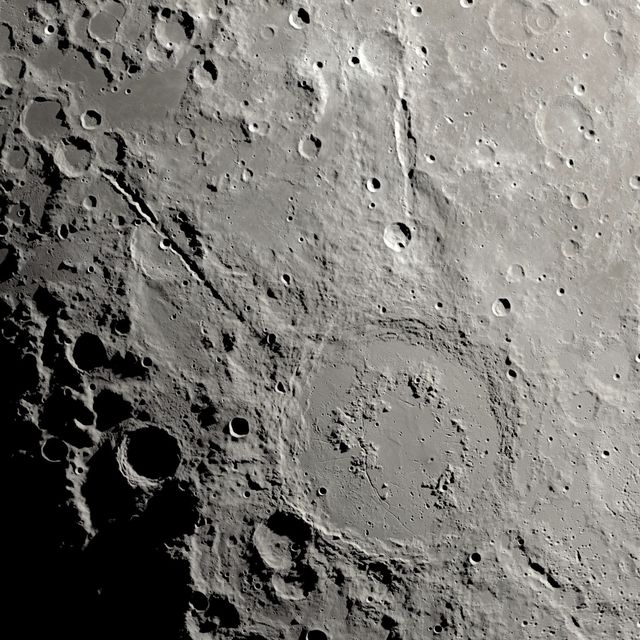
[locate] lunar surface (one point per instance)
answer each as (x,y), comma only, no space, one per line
(321,320)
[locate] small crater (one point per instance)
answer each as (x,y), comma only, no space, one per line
(90,119)
(43,118)
(111,408)
(373,185)
(515,273)
(9,262)
(501,307)
(54,450)
(613,37)
(561,125)
(12,71)
(89,202)
(579,89)
(211,69)
(579,200)
(185,136)
(199,600)
(153,453)
(299,18)
(540,18)
(309,147)
(206,74)
(89,352)
(238,427)
(397,236)
(73,156)
(570,248)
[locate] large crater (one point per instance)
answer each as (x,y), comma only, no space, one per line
(394,428)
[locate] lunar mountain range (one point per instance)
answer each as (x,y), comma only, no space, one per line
(320,320)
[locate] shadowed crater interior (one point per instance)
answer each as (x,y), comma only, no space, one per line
(153,453)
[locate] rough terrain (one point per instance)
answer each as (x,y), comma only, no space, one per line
(321,320)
